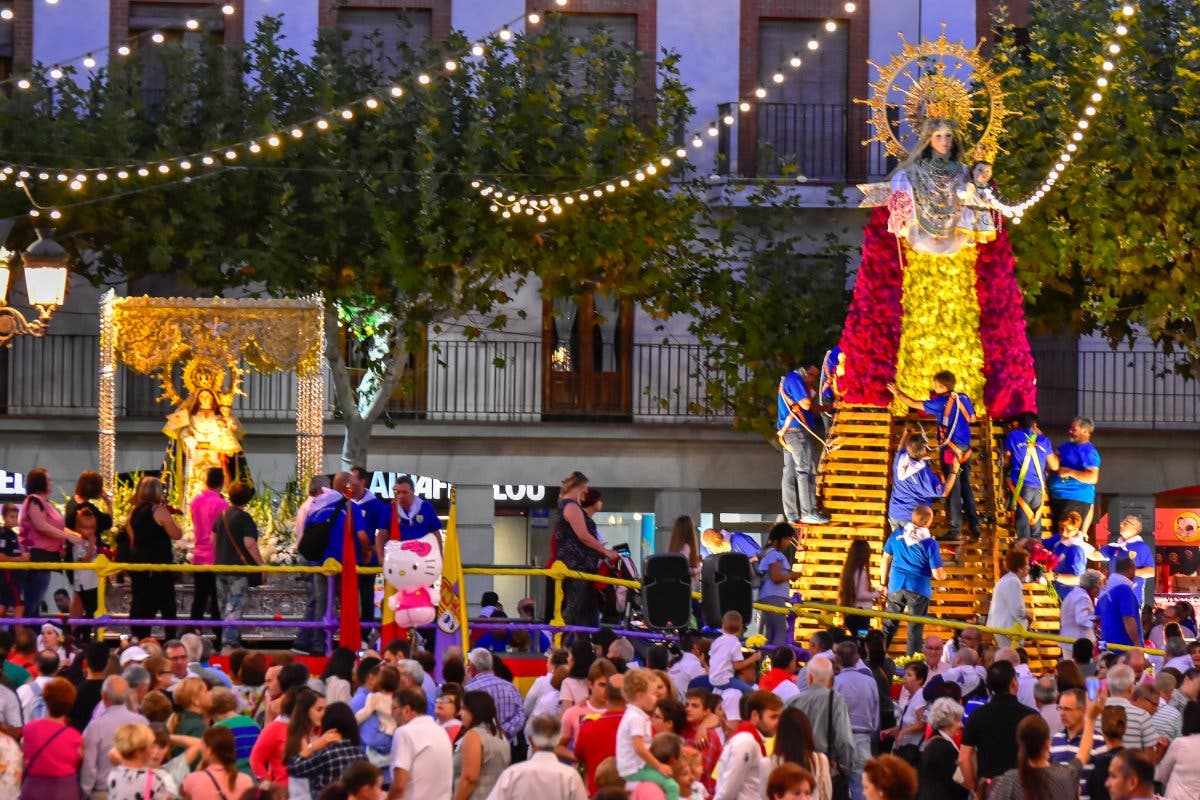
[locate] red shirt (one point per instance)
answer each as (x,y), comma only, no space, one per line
(710,754)
(596,741)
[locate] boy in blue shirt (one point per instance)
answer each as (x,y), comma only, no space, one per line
(1072,486)
(954,413)
(914,482)
(1029,455)
(911,560)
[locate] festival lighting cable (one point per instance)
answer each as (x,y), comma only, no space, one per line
(87,59)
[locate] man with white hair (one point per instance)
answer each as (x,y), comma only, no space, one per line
(1045,693)
(510,709)
(99,733)
(542,776)
(818,700)
(1176,649)
(413,674)
(1077,617)
(1139,732)
(622,648)
(857,686)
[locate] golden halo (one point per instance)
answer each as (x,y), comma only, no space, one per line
(974,102)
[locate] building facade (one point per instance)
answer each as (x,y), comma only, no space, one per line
(585,384)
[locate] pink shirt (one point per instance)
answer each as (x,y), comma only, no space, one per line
(206,507)
(61,757)
(36,513)
(574,716)
(212,783)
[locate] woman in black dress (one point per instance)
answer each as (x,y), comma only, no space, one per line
(151,530)
(578,548)
(939,759)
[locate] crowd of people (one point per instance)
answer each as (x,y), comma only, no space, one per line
(707,718)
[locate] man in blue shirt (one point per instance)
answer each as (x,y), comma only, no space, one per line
(911,558)
(1028,454)
(1118,609)
(833,368)
(1072,486)
(1130,544)
(914,483)
(375,518)
(954,413)
(796,428)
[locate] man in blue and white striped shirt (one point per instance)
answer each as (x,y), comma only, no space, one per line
(1071,706)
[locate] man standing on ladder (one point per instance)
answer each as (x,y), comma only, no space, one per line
(1029,455)
(796,429)
(954,413)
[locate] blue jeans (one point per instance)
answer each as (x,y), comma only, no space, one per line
(735,683)
(318,599)
(1032,495)
(906,602)
(961,500)
(799,475)
(775,626)
(34,583)
(232,591)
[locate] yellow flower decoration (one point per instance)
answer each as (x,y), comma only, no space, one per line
(940,325)
(756,641)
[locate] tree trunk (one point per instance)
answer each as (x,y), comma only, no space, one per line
(360,411)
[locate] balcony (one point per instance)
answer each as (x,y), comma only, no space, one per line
(818,143)
(466,381)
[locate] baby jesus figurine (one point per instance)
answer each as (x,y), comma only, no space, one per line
(978,219)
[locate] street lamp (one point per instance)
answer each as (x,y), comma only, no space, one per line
(45,263)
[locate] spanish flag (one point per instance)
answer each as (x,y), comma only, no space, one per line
(452,611)
(390,631)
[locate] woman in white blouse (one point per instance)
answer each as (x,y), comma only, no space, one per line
(1008,598)
(1180,767)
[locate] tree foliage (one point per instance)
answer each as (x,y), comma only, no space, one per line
(378,213)
(1113,248)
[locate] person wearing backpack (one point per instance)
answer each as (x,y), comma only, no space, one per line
(321,539)
(53,750)
(33,703)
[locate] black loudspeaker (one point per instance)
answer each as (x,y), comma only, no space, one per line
(667,591)
(726,587)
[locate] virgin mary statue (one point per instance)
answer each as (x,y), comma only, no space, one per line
(204,434)
(936,288)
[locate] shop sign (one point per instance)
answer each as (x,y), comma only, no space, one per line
(12,482)
(433,489)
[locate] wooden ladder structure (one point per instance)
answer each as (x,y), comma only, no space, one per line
(852,487)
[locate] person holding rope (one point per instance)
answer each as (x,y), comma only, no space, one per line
(796,429)
(955,413)
(1029,455)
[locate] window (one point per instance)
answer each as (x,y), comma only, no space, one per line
(622,27)
(632,22)
(808,125)
(169,19)
(385,33)
(802,125)
(587,344)
(6,48)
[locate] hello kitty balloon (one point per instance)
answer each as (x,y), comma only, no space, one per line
(414,569)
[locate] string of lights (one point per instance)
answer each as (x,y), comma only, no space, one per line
(87,59)
(1015,211)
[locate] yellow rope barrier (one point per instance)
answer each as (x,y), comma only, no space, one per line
(557,572)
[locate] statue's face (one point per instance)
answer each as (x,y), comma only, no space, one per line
(942,140)
(206,401)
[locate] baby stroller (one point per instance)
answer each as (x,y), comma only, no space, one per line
(618,603)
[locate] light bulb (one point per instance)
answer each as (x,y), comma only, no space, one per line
(43,176)
(569,199)
(185,165)
(505,34)
(33,212)
(76,186)
(192,24)
(560,2)
(1114,48)
(1122,30)
(712,129)
(493,208)
(477,50)
(371,103)
(255,148)
(81,177)
(24,83)
(228,9)
(557,209)
(123,50)
(777,77)
(850,8)
(1097,97)
(1127,10)
(541,217)
(1090,111)
(813,44)
(157,38)
(451,66)
(681,152)
(102,176)
(583,198)
(143,172)
(506,214)
(476,185)
(796,61)
(1065,157)
(1060,167)
(534,18)
(322,124)
(697,141)
(1077,136)
(55,214)
(122,175)
(610,188)
(89,61)
(273,140)
(597,193)
(164,169)
(760,93)
(347,114)
(207,161)
(62,178)
(639,176)
(1083,124)
(424,79)
(624,183)
(830,26)
(297,133)
(56,74)
(1107,66)
(743,106)
(666,162)
(1072,147)
(1102,81)
(6,14)
(397,91)
(727,119)
(651,169)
